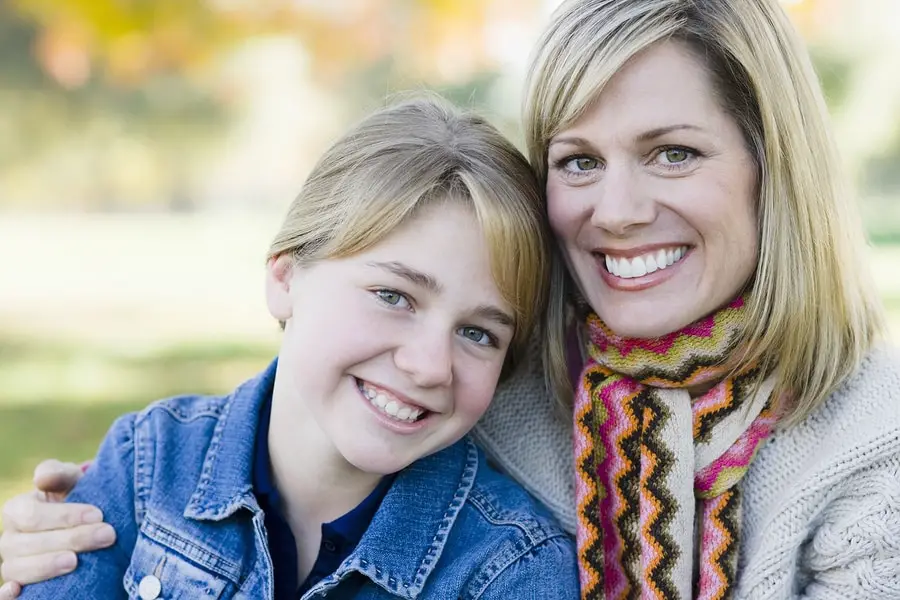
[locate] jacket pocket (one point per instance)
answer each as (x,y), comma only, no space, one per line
(157,569)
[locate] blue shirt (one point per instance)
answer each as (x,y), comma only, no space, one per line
(176,483)
(339,538)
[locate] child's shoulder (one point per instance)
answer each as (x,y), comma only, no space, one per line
(502,500)
(504,543)
(184,409)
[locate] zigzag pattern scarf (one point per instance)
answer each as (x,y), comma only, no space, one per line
(648,458)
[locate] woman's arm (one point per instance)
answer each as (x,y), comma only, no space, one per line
(41,534)
(109,485)
(855,552)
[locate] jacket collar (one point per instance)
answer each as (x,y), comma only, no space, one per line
(408,533)
(225,483)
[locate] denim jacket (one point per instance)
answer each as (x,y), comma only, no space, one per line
(175,482)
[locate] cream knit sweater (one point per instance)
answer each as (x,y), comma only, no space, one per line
(821,500)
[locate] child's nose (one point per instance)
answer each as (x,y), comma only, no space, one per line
(427,358)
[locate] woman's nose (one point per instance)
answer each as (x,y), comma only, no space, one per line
(621,203)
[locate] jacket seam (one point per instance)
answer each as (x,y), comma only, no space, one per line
(534,530)
(514,559)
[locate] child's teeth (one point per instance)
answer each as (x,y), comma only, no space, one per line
(389,406)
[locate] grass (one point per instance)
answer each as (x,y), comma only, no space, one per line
(58,400)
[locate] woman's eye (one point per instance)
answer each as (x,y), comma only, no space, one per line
(392,297)
(477,335)
(675,156)
(582,163)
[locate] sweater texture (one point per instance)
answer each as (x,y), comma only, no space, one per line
(821,501)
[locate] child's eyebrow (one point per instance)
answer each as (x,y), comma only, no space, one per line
(492,313)
(424,280)
(414,276)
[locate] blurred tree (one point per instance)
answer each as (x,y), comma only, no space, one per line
(135,88)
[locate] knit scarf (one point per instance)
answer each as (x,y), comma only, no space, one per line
(656,470)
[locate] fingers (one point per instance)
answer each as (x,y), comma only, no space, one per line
(56,478)
(31,569)
(10,590)
(83,538)
(29,513)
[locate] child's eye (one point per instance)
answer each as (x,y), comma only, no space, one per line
(478,335)
(392,298)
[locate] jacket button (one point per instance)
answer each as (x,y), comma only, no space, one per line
(149,588)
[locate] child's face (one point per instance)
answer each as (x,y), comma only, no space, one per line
(393,353)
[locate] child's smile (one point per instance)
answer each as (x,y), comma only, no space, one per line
(390,404)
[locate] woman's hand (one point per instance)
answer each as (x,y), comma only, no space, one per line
(41,534)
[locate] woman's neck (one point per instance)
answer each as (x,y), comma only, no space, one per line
(698,390)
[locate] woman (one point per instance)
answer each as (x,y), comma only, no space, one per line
(737,425)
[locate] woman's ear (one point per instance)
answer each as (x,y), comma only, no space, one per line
(279,273)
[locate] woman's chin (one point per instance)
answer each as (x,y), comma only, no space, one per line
(644,322)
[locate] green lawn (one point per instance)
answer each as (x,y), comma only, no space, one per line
(59,400)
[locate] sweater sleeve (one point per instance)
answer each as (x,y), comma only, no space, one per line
(855,552)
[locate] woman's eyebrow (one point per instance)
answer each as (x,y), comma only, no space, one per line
(658,132)
(571,140)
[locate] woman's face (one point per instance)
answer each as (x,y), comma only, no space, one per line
(651,194)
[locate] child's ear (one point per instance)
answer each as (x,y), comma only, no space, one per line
(279,272)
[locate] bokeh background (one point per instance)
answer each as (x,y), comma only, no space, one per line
(148,150)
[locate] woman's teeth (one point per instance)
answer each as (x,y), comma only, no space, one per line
(388,405)
(629,268)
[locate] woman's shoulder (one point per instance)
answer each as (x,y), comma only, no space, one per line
(865,408)
(857,426)
(822,498)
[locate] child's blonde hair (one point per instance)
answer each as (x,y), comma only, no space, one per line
(411,154)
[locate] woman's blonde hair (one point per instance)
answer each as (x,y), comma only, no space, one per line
(813,311)
(412,154)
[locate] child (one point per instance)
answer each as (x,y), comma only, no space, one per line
(406,276)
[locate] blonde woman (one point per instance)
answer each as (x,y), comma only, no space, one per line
(713,337)
(736,425)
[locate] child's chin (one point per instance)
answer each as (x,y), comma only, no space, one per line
(369,462)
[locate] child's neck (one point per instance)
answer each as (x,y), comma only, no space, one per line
(317,485)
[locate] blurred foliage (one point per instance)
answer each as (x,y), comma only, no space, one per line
(122,98)
(134,39)
(130,104)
